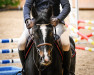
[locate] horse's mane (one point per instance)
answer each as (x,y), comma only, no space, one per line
(42,16)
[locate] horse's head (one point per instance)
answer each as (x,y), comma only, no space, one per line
(43,34)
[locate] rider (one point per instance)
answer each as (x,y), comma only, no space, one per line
(59,17)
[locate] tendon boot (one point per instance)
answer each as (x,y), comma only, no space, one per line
(22,58)
(66,62)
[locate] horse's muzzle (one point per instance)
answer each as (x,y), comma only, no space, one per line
(45,62)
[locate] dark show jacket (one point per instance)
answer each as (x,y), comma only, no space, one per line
(42,4)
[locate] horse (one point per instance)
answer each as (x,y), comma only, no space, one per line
(43,56)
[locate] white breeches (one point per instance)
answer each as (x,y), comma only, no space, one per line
(60,30)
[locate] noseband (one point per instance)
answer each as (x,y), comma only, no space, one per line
(43,44)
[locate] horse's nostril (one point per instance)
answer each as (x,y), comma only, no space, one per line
(46,60)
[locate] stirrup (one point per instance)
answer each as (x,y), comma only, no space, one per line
(22,72)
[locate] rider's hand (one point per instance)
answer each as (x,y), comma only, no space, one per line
(54,21)
(29,23)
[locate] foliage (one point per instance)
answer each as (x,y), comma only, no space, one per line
(6,3)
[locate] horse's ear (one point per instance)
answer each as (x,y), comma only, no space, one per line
(49,12)
(34,12)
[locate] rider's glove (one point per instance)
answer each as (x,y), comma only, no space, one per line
(29,23)
(54,21)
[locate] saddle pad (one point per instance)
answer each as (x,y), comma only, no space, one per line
(60,50)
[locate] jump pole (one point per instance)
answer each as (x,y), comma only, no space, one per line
(9,40)
(89,35)
(9,61)
(77,9)
(82,35)
(86,27)
(86,21)
(85,48)
(3,51)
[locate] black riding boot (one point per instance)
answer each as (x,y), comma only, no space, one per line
(66,62)
(72,66)
(22,58)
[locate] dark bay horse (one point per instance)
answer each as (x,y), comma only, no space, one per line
(44,57)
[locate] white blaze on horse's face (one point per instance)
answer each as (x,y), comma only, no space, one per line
(43,29)
(46,56)
(44,33)
(46,60)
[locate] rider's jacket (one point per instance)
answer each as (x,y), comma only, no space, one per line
(41,4)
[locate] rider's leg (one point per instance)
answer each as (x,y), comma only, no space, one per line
(21,45)
(66,50)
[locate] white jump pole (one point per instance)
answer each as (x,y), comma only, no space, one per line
(77,13)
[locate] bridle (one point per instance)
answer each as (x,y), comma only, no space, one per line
(43,44)
(32,35)
(38,50)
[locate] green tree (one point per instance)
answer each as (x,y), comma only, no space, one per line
(6,3)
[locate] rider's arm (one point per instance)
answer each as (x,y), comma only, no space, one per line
(66,9)
(27,9)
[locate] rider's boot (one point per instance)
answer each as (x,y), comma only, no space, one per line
(72,67)
(22,58)
(66,62)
